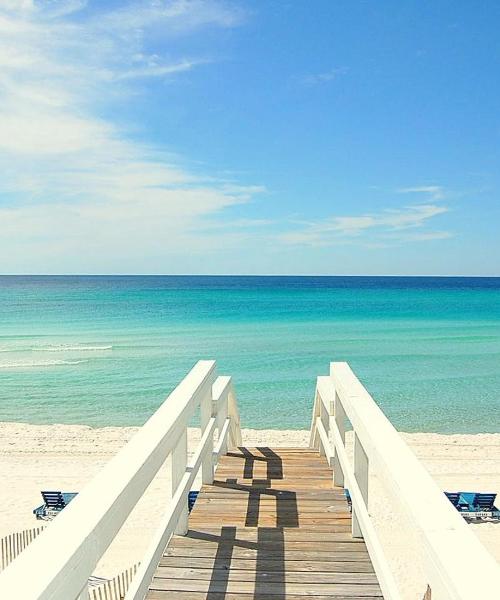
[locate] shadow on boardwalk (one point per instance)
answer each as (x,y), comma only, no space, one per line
(270,544)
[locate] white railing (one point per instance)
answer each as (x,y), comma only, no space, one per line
(456,564)
(13,544)
(227,422)
(57,565)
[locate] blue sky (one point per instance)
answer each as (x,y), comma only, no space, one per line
(325,137)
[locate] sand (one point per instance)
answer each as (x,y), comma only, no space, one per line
(66,457)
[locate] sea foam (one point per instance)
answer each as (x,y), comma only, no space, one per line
(72,348)
(27,364)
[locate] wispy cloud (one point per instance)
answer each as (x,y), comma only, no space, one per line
(172,17)
(420,236)
(324,77)
(157,68)
(396,225)
(435,192)
(71,178)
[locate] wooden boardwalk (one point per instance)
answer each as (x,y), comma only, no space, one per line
(271,527)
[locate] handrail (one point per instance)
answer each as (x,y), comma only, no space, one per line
(324,412)
(80,535)
(445,536)
(140,583)
(224,417)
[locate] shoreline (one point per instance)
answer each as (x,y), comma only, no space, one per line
(66,457)
(292,431)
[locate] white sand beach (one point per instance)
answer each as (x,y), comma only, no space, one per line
(66,457)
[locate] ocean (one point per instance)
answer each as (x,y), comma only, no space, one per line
(107,350)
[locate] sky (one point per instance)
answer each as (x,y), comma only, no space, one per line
(250,137)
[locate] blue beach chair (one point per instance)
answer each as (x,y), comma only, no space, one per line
(348,498)
(53,504)
(485,502)
(192,499)
(474,505)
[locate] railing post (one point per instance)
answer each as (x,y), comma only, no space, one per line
(314,438)
(178,468)
(220,410)
(234,415)
(339,416)
(361,474)
(207,464)
(323,416)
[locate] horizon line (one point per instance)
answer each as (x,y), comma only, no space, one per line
(241,275)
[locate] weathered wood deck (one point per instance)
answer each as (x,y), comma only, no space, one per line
(271,527)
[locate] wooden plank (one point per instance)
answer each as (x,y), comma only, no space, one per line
(306,546)
(176,595)
(327,511)
(275,576)
(280,451)
(254,504)
(279,469)
(242,497)
(320,529)
(274,458)
(277,484)
(319,512)
(275,522)
(290,478)
(275,465)
(279,496)
(276,519)
(252,553)
(261,587)
(255,501)
(286,463)
(332,517)
(305,499)
(288,534)
(311,566)
(269,504)
(160,595)
(296,481)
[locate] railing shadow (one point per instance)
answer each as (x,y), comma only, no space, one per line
(274,463)
(222,562)
(270,540)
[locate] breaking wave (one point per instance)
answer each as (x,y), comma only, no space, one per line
(27,364)
(75,348)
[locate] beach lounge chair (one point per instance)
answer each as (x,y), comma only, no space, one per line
(485,502)
(474,505)
(192,495)
(480,506)
(54,502)
(348,498)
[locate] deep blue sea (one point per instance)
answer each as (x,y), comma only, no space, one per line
(107,350)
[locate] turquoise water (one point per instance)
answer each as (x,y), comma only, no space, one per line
(107,350)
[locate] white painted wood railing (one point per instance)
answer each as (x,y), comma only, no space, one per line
(456,564)
(57,565)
